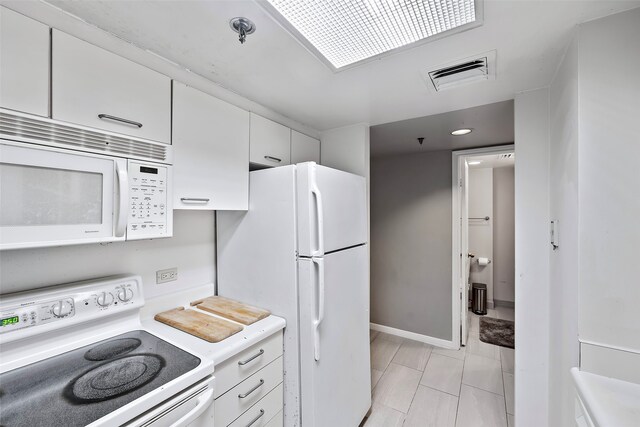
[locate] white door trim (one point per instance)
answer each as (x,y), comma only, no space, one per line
(456,156)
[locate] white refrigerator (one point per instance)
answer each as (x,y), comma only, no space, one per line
(301,252)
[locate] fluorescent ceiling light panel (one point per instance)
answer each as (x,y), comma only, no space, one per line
(350,31)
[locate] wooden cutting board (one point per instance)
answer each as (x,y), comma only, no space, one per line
(231,309)
(201,325)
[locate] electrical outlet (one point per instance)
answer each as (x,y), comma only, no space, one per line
(168,275)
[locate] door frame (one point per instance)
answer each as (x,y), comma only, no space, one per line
(456,298)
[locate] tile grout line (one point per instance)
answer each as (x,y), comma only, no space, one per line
(504,390)
(478,388)
(464,362)
(435,389)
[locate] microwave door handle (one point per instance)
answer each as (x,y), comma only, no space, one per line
(123,205)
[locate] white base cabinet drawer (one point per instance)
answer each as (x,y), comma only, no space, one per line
(266,413)
(581,415)
(270,142)
(277,420)
(246,363)
(243,396)
(96,88)
(24,63)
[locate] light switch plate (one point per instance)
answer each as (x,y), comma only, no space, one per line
(168,275)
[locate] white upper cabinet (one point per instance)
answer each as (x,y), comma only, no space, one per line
(96,88)
(211,152)
(270,142)
(24,63)
(304,148)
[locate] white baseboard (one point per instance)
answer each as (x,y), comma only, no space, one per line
(438,342)
(490,304)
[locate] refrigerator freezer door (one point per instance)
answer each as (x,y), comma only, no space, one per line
(334,339)
(332,209)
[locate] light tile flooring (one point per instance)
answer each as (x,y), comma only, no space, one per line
(418,385)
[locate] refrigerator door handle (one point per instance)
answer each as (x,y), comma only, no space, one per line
(315,191)
(319,262)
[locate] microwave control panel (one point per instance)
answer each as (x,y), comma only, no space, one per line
(149,206)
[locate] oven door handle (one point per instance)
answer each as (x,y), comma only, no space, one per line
(123,203)
(204,401)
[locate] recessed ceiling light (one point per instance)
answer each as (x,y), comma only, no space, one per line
(347,32)
(459,132)
(475,162)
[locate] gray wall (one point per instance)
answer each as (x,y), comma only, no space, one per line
(504,250)
(411,243)
(191,249)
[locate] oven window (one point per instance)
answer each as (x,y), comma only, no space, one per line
(31,196)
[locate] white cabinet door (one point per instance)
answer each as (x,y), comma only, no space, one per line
(304,148)
(96,88)
(24,63)
(270,142)
(211,152)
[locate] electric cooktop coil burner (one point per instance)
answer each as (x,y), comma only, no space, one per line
(115,378)
(112,348)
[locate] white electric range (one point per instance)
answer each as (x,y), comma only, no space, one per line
(79,354)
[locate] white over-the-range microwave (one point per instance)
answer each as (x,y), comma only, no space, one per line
(63,184)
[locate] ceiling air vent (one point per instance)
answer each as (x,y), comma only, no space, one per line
(505,156)
(469,70)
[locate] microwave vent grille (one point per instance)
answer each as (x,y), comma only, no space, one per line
(25,128)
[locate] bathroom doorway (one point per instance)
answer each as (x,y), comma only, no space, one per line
(483,252)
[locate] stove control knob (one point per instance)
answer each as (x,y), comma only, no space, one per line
(104,299)
(61,308)
(125,294)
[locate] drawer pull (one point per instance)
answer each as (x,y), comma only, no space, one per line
(243,395)
(194,200)
(275,159)
(253,421)
(120,119)
(255,356)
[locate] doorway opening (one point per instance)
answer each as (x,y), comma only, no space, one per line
(483,255)
(483,250)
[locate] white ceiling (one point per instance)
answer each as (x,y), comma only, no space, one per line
(274,69)
(491,124)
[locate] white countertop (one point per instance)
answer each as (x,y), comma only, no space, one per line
(609,402)
(217,352)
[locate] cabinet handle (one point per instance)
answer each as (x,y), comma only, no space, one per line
(193,200)
(244,362)
(253,421)
(120,119)
(243,395)
(275,159)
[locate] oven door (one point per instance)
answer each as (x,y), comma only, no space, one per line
(195,403)
(52,197)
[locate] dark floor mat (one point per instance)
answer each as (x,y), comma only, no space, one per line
(497,331)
